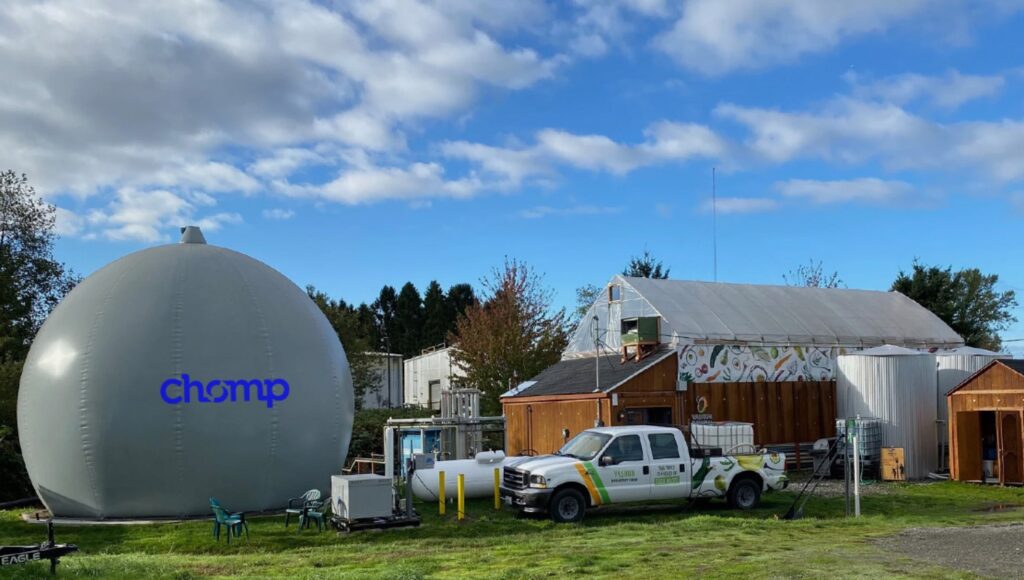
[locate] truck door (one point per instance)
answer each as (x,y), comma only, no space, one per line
(669,479)
(624,470)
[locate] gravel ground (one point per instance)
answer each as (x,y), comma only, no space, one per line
(996,550)
(836,487)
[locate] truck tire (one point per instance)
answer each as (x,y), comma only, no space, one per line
(567,506)
(745,494)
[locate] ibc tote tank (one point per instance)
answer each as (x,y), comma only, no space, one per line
(896,385)
(105,427)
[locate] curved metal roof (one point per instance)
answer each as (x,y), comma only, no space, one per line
(756,313)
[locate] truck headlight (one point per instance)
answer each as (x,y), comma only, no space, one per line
(538,481)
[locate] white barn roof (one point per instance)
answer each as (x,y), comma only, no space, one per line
(763,314)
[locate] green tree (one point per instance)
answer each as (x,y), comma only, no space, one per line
(813,275)
(384,311)
(436,319)
(32,282)
(585,298)
(966,300)
(645,266)
(408,334)
(345,321)
(511,336)
(457,300)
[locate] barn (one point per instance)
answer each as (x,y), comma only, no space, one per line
(986,425)
(686,351)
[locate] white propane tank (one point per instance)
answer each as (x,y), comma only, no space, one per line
(478,472)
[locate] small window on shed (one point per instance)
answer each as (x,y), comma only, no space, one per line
(614,293)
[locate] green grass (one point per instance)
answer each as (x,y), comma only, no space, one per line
(668,541)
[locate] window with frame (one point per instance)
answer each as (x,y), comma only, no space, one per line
(626,448)
(663,446)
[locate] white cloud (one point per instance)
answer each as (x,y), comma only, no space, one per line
(109,94)
(542,211)
(145,216)
(67,223)
(665,142)
(373,183)
(740,205)
(852,131)
(715,37)
(278,214)
(865,190)
(948,91)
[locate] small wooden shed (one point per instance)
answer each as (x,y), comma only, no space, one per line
(986,425)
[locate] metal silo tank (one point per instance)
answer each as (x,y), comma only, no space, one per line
(953,367)
(896,385)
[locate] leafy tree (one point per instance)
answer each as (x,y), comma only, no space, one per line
(408,334)
(585,297)
(345,320)
(511,336)
(966,300)
(32,282)
(813,275)
(645,266)
(436,319)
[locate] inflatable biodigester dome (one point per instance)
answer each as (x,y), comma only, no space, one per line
(179,373)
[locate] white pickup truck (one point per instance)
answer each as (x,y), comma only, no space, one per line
(612,465)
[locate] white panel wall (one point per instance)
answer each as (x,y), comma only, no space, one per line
(420,371)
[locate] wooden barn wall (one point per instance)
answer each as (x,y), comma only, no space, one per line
(996,389)
(787,412)
(536,425)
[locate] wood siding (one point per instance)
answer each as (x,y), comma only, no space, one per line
(995,388)
(791,412)
(536,423)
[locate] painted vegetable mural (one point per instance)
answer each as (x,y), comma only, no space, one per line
(719,363)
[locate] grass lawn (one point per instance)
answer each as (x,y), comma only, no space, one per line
(665,542)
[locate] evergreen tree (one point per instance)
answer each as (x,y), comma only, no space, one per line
(645,266)
(384,310)
(436,320)
(408,333)
(459,298)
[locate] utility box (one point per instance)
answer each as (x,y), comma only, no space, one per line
(356,497)
(644,330)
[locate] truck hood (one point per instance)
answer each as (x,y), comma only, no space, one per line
(533,464)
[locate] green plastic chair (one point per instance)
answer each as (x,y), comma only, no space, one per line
(298,505)
(316,510)
(233,522)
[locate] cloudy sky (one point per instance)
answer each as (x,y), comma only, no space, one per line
(352,144)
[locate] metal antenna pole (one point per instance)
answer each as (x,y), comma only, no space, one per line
(594,322)
(714,222)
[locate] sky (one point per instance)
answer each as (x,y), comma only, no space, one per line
(356,144)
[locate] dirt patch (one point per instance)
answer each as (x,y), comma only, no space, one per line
(837,487)
(996,551)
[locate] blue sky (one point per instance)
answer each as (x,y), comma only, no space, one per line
(352,145)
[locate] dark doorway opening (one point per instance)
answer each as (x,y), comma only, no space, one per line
(649,416)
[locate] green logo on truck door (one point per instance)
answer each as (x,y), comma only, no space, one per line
(597,481)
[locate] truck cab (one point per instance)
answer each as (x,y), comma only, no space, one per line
(611,465)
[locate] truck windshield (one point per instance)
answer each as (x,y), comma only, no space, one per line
(585,445)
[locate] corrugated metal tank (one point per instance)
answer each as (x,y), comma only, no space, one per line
(896,385)
(954,367)
(178,373)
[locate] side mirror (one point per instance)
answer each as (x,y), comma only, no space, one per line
(607,460)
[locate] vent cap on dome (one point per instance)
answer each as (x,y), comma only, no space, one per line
(192,235)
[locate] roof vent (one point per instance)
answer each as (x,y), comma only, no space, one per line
(192,235)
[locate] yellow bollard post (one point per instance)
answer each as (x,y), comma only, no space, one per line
(440,493)
(462,497)
(497,491)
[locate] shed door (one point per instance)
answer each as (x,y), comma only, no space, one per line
(968,446)
(1010,448)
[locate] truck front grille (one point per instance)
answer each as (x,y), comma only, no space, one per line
(514,478)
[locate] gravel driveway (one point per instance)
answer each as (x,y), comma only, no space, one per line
(996,550)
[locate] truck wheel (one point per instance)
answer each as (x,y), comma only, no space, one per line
(745,494)
(567,506)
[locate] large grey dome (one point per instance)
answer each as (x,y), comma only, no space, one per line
(133,399)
